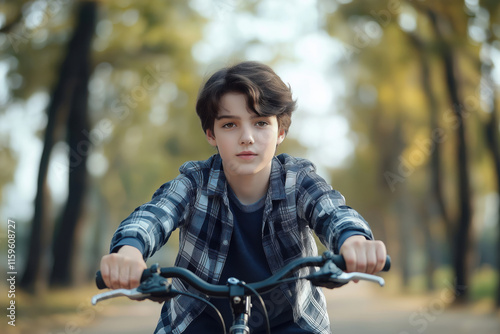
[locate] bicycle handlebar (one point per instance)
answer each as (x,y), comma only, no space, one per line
(262,286)
(156,286)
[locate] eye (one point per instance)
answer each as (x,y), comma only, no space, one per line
(228,125)
(262,124)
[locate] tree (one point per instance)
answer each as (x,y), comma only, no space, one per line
(434,146)
(77,130)
(64,98)
(376,36)
(491,126)
(462,243)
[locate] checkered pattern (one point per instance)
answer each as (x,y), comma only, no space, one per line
(297,203)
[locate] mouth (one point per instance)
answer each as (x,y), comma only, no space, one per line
(246,155)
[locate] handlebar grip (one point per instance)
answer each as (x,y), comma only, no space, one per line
(387,265)
(340,262)
(99,281)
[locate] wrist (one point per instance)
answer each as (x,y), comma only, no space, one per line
(129,251)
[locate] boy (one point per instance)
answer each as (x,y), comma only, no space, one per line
(244,212)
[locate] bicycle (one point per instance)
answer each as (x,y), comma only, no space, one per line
(155,286)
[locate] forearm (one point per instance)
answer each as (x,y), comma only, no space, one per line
(326,212)
(335,226)
(151,224)
(144,231)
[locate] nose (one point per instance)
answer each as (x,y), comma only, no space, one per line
(246,136)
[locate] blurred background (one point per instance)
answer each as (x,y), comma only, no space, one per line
(398,106)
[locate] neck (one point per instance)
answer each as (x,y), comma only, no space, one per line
(250,188)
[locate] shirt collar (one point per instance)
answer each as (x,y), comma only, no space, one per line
(217,184)
(217,180)
(276,185)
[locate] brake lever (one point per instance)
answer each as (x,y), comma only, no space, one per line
(155,288)
(330,276)
(347,277)
(133,294)
(326,275)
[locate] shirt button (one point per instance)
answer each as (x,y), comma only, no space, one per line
(225,242)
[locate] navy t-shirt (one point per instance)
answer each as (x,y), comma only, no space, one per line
(247,261)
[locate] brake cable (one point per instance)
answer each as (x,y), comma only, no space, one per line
(259,297)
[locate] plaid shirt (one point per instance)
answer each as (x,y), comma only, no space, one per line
(297,202)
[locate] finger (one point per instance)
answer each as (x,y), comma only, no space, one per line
(105,273)
(110,270)
(371,261)
(135,276)
(124,280)
(381,253)
(350,259)
(361,260)
(114,276)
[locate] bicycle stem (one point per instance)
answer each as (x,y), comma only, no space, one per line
(240,305)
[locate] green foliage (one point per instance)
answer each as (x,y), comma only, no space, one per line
(149,85)
(145,83)
(7,167)
(484,283)
(390,114)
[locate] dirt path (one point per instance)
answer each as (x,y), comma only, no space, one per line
(127,317)
(361,308)
(354,309)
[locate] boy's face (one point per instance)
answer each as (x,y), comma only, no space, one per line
(246,142)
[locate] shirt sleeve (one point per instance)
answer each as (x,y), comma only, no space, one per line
(326,212)
(128,241)
(152,223)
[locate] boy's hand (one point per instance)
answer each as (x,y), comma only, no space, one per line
(123,270)
(362,255)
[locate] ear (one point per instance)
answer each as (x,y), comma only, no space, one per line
(211,138)
(281,136)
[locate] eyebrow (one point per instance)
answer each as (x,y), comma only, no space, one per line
(238,117)
(226,116)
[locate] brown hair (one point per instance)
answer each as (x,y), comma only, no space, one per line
(265,92)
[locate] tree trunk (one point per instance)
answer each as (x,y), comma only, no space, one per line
(493,142)
(399,201)
(34,279)
(494,146)
(461,245)
(79,147)
(434,148)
